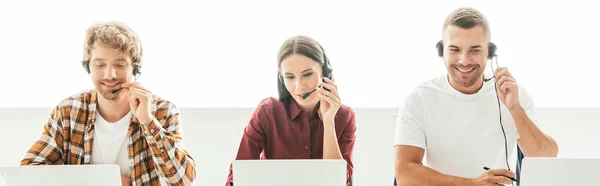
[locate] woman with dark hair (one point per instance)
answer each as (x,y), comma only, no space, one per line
(308,120)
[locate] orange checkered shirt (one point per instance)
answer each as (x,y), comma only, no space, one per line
(156,151)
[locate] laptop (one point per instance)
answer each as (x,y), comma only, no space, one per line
(63,175)
(559,171)
(313,172)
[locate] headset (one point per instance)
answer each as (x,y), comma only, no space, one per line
(494,57)
(136,72)
(136,68)
(491,52)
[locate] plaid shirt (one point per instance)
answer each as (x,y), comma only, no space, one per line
(156,152)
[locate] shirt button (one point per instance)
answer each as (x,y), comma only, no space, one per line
(162,150)
(152,130)
(306,147)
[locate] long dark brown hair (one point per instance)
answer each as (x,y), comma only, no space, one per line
(302,45)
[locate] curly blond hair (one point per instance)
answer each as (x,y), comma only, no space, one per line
(116,35)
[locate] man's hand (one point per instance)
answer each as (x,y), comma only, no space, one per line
(508,90)
(140,102)
(494,177)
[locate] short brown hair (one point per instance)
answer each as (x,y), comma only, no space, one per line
(116,35)
(467,18)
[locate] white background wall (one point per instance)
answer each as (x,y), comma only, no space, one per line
(222,53)
(212,136)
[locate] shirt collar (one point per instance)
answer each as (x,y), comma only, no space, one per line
(91,108)
(294,110)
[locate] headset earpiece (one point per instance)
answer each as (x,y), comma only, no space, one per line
(440,48)
(492,50)
(280,77)
(86,66)
(326,66)
(136,70)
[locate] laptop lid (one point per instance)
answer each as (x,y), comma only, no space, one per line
(311,172)
(64,175)
(559,171)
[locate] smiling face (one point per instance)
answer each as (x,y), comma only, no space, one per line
(466,41)
(109,68)
(465,55)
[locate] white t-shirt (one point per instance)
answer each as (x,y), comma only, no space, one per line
(460,133)
(110,143)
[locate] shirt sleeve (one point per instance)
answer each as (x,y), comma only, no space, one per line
(253,138)
(48,149)
(410,127)
(164,136)
(346,144)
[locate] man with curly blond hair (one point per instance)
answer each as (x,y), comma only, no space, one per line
(119,121)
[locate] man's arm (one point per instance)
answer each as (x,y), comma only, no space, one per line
(410,171)
(533,142)
(48,149)
(164,137)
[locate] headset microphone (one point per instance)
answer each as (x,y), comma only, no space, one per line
(308,94)
(136,73)
(116,90)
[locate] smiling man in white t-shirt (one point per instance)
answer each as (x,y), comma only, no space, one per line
(451,127)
